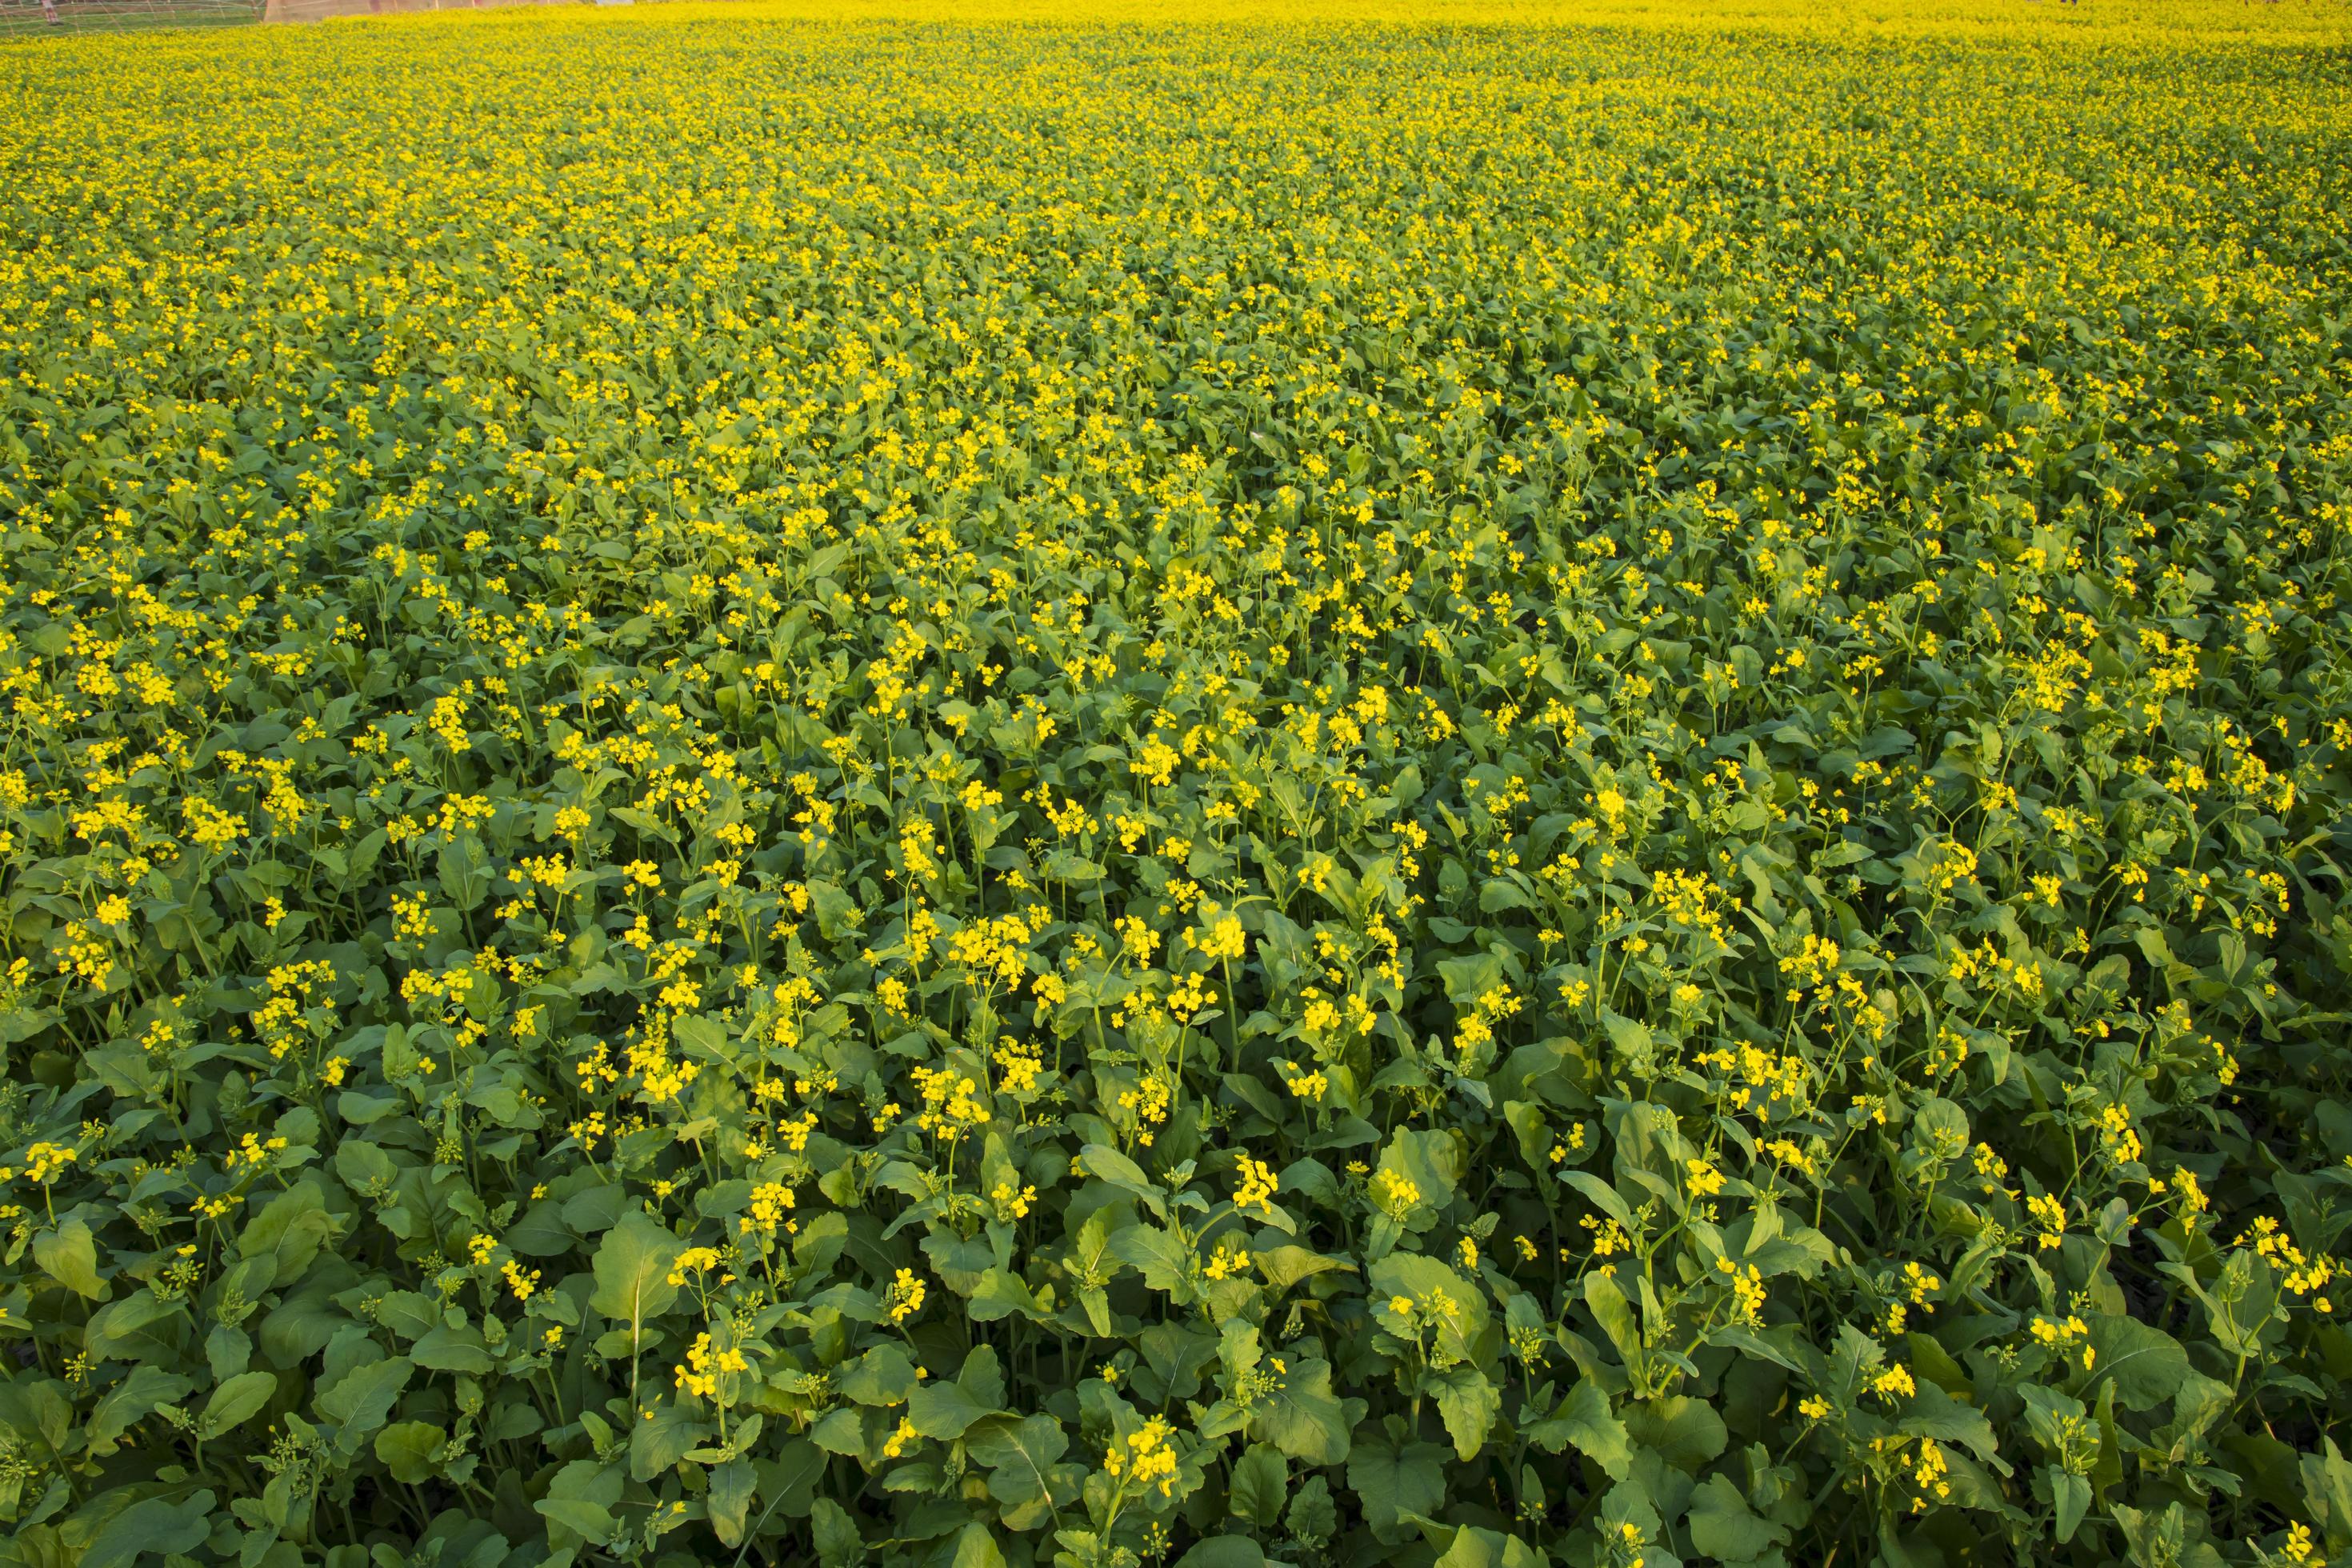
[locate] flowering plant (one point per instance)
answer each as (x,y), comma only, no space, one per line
(1054,794)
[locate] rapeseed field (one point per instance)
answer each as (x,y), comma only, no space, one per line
(1442,783)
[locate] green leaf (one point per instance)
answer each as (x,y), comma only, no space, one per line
(578,1506)
(448,1349)
(131,1400)
(1600,1195)
(976,1548)
(834,1533)
(1106,1163)
(1631,1038)
(1260,1484)
(361,1399)
(790,1480)
(1438,1294)
(1001,1294)
(542,1232)
(1584,1420)
(1724,1527)
(130,1329)
(819,1242)
(841,1431)
(944,1410)
(228,1350)
(1303,1418)
(1468,1404)
(882,1377)
(1223,1552)
(301,1325)
(2328,1490)
(1497,895)
(463,875)
(662,1437)
(1615,1316)
(633,1265)
(1467,979)
(288,1232)
(1390,1479)
(69,1255)
(2146,1364)
(1312,1514)
(983,1376)
(1286,1266)
(1020,1456)
(2070,1496)
(1932,1413)
(364,1166)
(1433,1160)
(1473,1547)
(409,1450)
(1157,1255)
(235,1401)
(729,1500)
(1685,1432)
(1748,1342)
(150,1527)
(1941,1127)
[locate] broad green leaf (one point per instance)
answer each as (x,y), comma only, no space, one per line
(2071,1496)
(663,1436)
(1932,1413)
(359,1401)
(1391,1479)
(1021,1458)
(1722,1525)
(1433,1161)
(235,1401)
(983,1376)
(843,1432)
(633,1265)
(410,1450)
(142,1390)
(150,1527)
(1287,1265)
(1473,1547)
(943,1409)
(1468,1404)
(976,1548)
(1157,1255)
(732,1487)
(287,1231)
(2146,1364)
(1615,1316)
(69,1255)
(1454,1310)
(1223,1552)
(579,1502)
(1003,1295)
(1685,1432)
(448,1348)
(139,1327)
(883,1376)
(1303,1418)
(1259,1484)
(1584,1420)
(834,1533)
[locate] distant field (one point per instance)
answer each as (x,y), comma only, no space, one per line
(1455,784)
(2202,22)
(24,18)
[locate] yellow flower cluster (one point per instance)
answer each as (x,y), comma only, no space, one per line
(905,1298)
(1147,1458)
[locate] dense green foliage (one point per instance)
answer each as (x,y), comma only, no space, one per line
(915,794)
